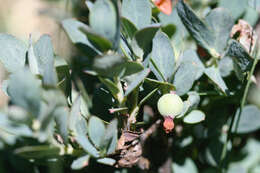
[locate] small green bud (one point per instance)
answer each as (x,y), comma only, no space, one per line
(170,105)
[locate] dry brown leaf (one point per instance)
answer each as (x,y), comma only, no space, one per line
(246,36)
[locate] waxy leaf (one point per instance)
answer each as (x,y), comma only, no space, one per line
(221,23)
(103,20)
(61,118)
(187,166)
(194,116)
(137,11)
(43,51)
(240,56)
(107,161)
(163,60)
(143,39)
(78,125)
(128,27)
(80,162)
(96,130)
(211,34)
(214,75)
(72,28)
(28,93)
(235,7)
(255,4)
(109,142)
(190,69)
(98,41)
(110,85)
(249,120)
(12,52)
(113,65)
(138,78)
(198,29)
(38,152)
(163,86)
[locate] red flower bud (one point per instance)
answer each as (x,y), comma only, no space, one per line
(164,6)
(168,124)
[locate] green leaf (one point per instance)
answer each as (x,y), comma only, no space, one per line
(72,28)
(214,75)
(187,166)
(100,42)
(138,78)
(106,65)
(96,130)
(235,7)
(110,85)
(190,69)
(191,56)
(113,65)
(17,114)
(181,32)
(85,96)
(211,34)
(163,86)
(240,56)
(147,97)
(107,161)
(84,107)
(53,100)
(109,142)
(184,78)
(128,27)
(221,23)
(43,50)
(193,99)
(61,115)
(43,126)
(38,152)
(213,151)
(226,66)
(255,4)
(198,29)
(32,60)
(163,57)
(249,161)
(28,93)
(132,68)
(78,125)
(249,120)
(143,39)
(251,16)
(64,78)
(14,129)
(12,52)
(53,96)
(87,146)
(169,30)
(137,11)
(194,116)
(80,162)
(103,20)
(75,117)
(191,103)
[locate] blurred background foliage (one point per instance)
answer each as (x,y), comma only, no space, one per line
(36,17)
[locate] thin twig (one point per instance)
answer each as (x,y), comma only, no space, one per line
(150,131)
(242,104)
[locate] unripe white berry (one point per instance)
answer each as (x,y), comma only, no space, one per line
(170,105)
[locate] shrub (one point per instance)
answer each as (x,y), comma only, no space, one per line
(100,107)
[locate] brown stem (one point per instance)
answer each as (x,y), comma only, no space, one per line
(150,131)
